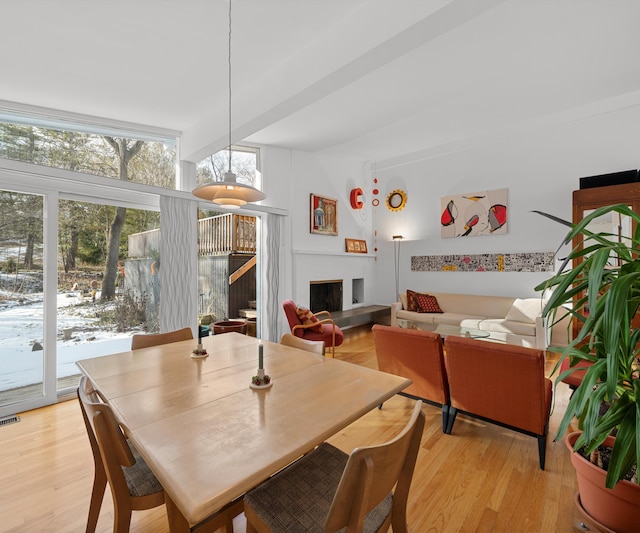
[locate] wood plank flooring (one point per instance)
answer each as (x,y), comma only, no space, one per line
(482,478)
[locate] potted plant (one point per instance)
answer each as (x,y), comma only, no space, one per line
(598,283)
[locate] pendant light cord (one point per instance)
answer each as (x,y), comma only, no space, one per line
(229,64)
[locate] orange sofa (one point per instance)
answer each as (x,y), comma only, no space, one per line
(498,383)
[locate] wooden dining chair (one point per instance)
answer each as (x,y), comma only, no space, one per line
(133,485)
(327,490)
(142,340)
(303,344)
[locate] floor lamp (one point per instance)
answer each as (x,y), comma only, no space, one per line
(396,249)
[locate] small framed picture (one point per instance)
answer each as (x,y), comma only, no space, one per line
(324,215)
(356,246)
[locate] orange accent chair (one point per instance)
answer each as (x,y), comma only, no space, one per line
(574,379)
(499,383)
(331,334)
(419,356)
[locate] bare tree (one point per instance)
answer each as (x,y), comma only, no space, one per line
(125,150)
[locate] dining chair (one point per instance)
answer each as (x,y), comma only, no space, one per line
(327,489)
(317,328)
(133,485)
(142,340)
(303,344)
(116,460)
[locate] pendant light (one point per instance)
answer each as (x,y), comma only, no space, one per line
(229,192)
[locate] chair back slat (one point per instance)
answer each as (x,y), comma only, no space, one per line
(371,474)
(140,340)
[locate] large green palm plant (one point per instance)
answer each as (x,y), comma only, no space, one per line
(603,293)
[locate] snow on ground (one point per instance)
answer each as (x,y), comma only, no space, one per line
(21,326)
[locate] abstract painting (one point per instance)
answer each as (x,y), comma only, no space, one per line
(480,213)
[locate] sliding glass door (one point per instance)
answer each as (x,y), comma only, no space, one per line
(24,378)
(99,307)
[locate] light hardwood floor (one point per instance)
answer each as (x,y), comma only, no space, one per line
(480,478)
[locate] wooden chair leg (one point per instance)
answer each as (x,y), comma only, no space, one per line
(97,495)
(121,519)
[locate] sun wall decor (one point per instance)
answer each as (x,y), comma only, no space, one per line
(396,200)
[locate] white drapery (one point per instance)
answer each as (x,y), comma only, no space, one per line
(179,263)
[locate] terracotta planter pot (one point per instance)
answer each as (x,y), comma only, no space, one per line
(226,326)
(615,508)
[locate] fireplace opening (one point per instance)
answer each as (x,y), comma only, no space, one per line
(325,295)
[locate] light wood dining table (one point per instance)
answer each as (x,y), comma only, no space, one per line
(207,436)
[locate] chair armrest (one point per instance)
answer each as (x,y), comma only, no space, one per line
(323,313)
(395,307)
(314,324)
(543,333)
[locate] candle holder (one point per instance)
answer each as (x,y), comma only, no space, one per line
(199,352)
(261,380)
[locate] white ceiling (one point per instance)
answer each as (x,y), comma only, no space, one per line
(373,79)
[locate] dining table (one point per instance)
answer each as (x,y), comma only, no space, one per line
(207,435)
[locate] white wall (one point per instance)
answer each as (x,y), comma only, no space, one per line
(312,257)
(540,165)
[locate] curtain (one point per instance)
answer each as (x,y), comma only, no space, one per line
(273,242)
(179,264)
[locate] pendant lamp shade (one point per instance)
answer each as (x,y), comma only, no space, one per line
(229,192)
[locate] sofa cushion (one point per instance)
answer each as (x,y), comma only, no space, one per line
(307,317)
(427,304)
(503,325)
(526,310)
(426,318)
(473,323)
(454,319)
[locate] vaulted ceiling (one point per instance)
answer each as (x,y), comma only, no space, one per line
(373,79)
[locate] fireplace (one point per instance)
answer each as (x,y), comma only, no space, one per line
(325,295)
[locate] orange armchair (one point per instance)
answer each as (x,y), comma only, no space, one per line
(417,355)
(499,383)
(331,334)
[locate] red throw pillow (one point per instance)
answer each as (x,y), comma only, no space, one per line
(428,304)
(307,317)
(412,302)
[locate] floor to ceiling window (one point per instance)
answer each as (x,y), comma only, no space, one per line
(79,254)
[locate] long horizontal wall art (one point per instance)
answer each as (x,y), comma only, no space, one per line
(518,262)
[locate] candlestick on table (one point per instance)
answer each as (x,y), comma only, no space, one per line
(260,357)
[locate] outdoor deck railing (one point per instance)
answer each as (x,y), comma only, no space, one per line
(227,233)
(221,234)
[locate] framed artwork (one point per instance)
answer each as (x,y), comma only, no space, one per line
(480,213)
(324,215)
(356,246)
